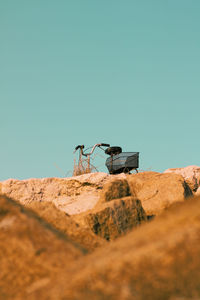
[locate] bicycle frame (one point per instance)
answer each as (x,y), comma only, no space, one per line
(87,155)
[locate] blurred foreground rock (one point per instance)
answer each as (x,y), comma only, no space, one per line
(159,260)
(58,249)
(32,251)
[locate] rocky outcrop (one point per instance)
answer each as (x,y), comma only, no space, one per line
(85,197)
(45,189)
(159,260)
(56,198)
(114,218)
(73,195)
(158,191)
(115,213)
(42,252)
(51,198)
(191,174)
(69,195)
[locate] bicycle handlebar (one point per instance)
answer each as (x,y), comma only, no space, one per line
(81,147)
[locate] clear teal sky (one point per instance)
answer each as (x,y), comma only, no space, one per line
(87,71)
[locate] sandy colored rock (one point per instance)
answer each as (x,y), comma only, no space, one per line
(72,195)
(115,189)
(32,251)
(114,218)
(39,254)
(158,191)
(99,178)
(191,174)
(158,260)
(45,189)
(197,193)
(63,222)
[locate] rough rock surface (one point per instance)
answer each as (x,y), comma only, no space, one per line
(159,260)
(114,218)
(158,191)
(72,195)
(191,174)
(83,195)
(61,191)
(115,189)
(39,254)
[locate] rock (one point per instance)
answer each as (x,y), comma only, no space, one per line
(45,189)
(191,174)
(42,253)
(31,250)
(197,193)
(64,222)
(115,189)
(99,178)
(67,194)
(158,191)
(159,260)
(73,195)
(114,218)
(95,178)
